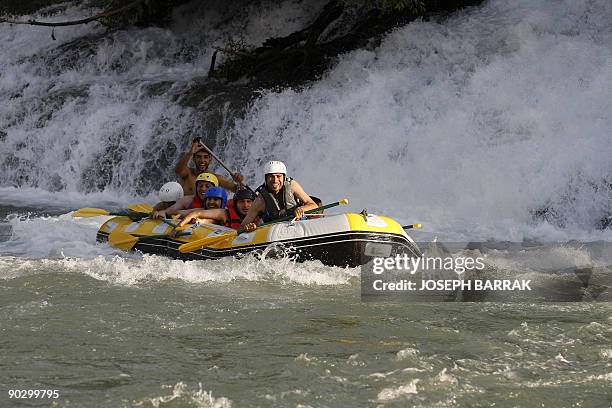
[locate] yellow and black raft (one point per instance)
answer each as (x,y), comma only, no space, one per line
(347,239)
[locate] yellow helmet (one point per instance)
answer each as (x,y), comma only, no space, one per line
(211,178)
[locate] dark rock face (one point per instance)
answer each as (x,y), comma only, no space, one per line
(305,54)
(287,61)
(19,7)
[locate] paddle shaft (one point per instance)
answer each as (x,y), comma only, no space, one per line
(314,210)
(127,242)
(290,217)
(214,156)
(178,234)
(97,212)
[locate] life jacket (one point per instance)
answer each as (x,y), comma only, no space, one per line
(233,218)
(196,202)
(275,210)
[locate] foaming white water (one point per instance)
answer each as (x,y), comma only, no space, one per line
(555,258)
(57,244)
(393,393)
(466,126)
(54,237)
(96,111)
(72,122)
(40,198)
(153,268)
(181,393)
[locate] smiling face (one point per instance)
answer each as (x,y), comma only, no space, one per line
(201,159)
(243,206)
(213,203)
(201,188)
(274,182)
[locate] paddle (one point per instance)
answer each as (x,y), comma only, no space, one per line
(98,212)
(123,240)
(411,226)
(200,243)
(136,211)
(214,156)
(139,210)
(145,210)
(93,212)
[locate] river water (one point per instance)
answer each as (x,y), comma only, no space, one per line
(113,330)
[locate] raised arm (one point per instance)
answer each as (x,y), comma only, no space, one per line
(182,167)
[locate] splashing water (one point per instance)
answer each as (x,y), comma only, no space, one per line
(468,125)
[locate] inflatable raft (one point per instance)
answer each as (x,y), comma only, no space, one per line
(336,240)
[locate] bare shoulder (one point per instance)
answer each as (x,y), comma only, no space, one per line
(297,188)
(183,202)
(299,192)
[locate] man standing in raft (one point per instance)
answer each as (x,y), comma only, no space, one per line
(279,196)
(201,159)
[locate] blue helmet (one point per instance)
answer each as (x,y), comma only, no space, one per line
(217,192)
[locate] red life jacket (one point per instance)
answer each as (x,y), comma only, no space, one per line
(196,202)
(233,218)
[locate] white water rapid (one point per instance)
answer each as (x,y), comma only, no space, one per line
(467,125)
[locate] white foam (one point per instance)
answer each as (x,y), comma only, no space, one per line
(54,237)
(78,115)
(392,393)
(132,269)
(445,377)
(606,354)
(545,258)
(406,353)
(182,394)
(465,126)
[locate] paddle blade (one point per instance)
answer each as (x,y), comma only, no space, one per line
(201,243)
(90,212)
(122,240)
(343,201)
(140,208)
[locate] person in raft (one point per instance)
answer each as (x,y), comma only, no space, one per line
(230,217)
(189,203)
(169,194)
(279,196)
(201,159)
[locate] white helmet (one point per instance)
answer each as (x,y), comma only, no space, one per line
(171,191)
(275,167)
